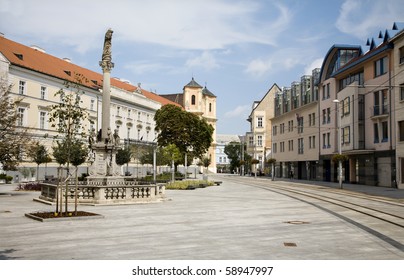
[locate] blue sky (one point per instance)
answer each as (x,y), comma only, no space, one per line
(239,49)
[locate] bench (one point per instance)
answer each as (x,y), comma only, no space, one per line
(218,183)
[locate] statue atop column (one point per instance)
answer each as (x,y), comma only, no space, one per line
(106,61)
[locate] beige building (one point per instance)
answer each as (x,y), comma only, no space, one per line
(259,140)
(202,102)
(397,89)
(295,129)
(36,76)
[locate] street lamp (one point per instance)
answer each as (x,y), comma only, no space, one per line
(336,101)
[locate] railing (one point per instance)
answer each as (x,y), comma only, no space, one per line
(105,194)
(379,110)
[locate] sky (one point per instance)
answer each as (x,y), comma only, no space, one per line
(237,48)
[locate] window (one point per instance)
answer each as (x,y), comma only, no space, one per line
(275,130)
(282,144)
(402,92)
(385,132)
(290,144)
(346,107)
(300,146)
(401,52)
(43,92)
(328,115)
(42,120)
(381,66)
(128,133)
(92,104)
(401,130)
(346,135)
(375,133)
(21,87)
(193,100)
(324,116)
(312,142)
(275,147)
(21,117)
(259,121)
(326,140)
(118,111)
(282,128)
(259,140)
(313,119)
(300,125)
(210,107)
(328,91)
(251,141)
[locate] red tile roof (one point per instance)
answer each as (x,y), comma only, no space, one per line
(36,60)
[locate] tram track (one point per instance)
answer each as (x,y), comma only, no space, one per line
(385,224)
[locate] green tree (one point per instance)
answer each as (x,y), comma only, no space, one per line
(39,155)
(68,117)
(185,130)
(78,155)
(233,152)
(12,134)
(172,152)
(123,156)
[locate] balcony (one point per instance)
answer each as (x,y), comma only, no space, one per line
(380,111)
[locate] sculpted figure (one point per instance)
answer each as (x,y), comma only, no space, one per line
(117,139)
(106,62)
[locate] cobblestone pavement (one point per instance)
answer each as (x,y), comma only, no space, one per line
(231,221)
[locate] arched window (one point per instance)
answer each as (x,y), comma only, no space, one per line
(193,100)
(210,107)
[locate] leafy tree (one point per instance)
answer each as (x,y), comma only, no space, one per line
(233,152)
(78,155)
(39,155)
(11,135)
(123,156)
(172,152)
(185,130)
(68,118)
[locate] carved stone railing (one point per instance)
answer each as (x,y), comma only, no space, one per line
(100,193)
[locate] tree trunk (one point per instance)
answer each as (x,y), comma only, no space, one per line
(67,189)
(75,192)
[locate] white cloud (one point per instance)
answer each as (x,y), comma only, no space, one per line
(317,63)
(239,111)
(258,67)
(197,24)
(206,60)
(141,67)
(362,18)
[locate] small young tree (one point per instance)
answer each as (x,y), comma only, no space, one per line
(68,117)
(60,155)
(123,156)
(39,155)
(12,130)
(78,155)
(173,153)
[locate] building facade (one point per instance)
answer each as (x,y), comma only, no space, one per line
(355,110)
(259,138)
(202,102)
(295,129)
(36,76)
(222,161)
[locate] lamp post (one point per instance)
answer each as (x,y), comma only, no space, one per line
(336,101)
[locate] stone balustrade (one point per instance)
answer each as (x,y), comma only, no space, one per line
(112,192)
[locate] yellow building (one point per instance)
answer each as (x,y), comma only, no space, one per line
(200,101)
